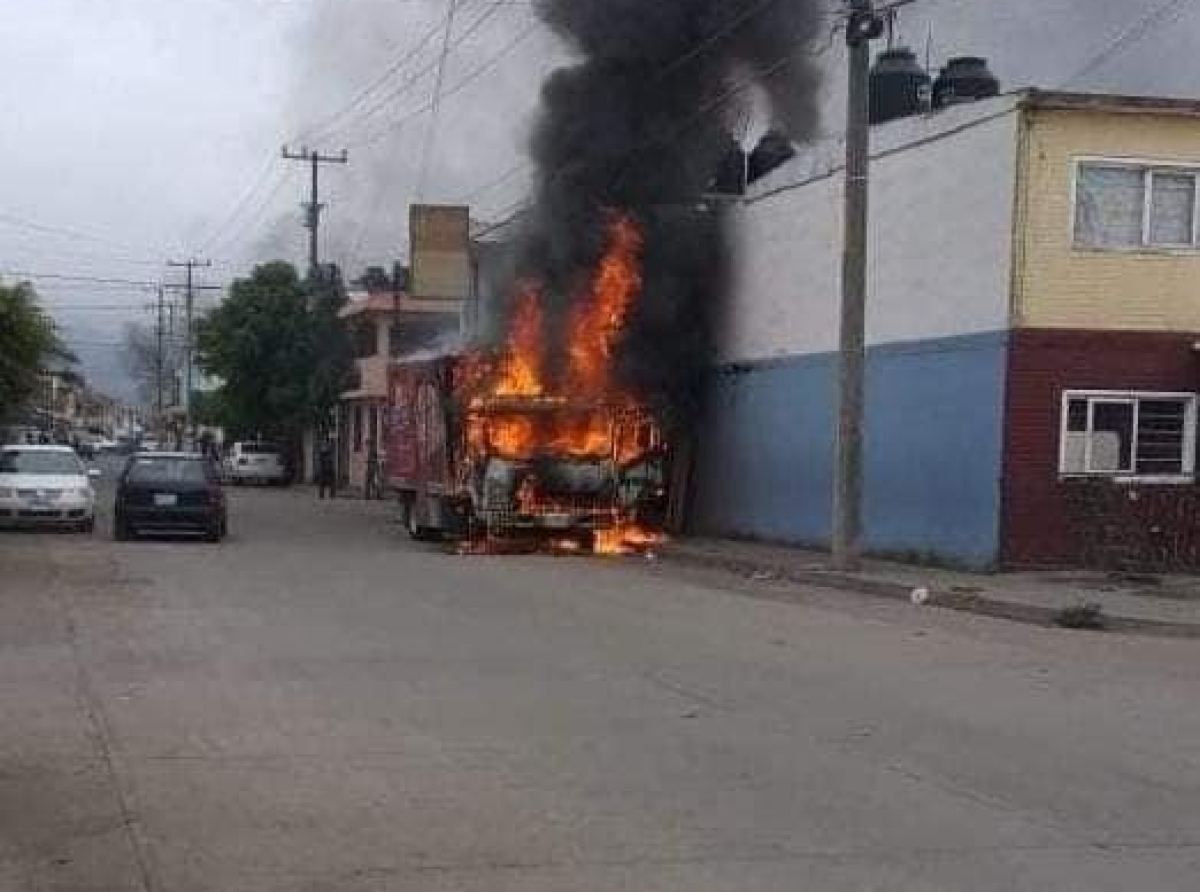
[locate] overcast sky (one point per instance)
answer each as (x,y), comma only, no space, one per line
(141,130)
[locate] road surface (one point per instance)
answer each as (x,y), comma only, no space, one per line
(318,704)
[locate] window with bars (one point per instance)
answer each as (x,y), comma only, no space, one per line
(1140,435)
(1124,206)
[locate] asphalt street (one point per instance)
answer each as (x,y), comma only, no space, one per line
(318,704)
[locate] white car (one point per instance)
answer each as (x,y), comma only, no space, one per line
(256,462)
(46,486)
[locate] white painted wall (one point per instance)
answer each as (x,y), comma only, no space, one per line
(941,238)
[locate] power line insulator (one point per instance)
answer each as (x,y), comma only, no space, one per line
(864,26)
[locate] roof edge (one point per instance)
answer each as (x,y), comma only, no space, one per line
(1113,103)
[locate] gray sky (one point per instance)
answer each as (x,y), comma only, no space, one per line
(142,129)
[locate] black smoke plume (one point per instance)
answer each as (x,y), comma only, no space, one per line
(640,125)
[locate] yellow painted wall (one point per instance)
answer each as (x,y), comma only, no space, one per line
(1059,286)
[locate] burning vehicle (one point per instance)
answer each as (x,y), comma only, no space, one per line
(483,446)
(567,426)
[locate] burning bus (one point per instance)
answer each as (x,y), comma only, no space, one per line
(495,445)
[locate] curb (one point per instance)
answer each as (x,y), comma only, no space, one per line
(981,605)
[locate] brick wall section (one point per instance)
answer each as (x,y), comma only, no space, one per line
(1118,527)
(1048,522)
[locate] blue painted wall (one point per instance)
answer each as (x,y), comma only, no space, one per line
(934,448)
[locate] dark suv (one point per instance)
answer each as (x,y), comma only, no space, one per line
(170,492)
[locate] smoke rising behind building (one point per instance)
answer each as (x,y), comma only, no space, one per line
(638,125)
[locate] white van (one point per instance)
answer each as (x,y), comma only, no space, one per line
(256,462)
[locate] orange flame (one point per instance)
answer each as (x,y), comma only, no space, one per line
(597,324)
(521,368)
(519,371)
(627,539)
(510,436)
(520,404)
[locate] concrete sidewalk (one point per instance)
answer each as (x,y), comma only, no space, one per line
(1168,606)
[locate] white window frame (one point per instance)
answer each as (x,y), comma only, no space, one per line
(1134,398)
(1148,167)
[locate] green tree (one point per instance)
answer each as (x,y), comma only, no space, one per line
(280,351)
(27,343)
(331,348)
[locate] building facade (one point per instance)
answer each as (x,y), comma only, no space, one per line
(384,325)
(1033,309)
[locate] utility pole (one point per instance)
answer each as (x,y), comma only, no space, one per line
(863,25)
(314,207)
(189,306)
(159,362)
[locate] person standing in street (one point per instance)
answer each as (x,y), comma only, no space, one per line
(326,472)
(372,489)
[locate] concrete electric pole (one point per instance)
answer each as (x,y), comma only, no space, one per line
(159,364)
(189,309)
(314,207)
(862,26)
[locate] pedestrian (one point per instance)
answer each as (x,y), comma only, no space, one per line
(326,472)
(372,489)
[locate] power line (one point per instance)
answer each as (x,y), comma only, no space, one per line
(507,216)
(40,254)
(1165,12)
(680,60)
(494,183)
(63,231)
(366,224)
(94,280)
(229,239)
(511,212)
(457,88)
(735,89)
(714,38)
(98,308)
(124,306)
(244,202)
(416,77)
(436,100)
(321,129)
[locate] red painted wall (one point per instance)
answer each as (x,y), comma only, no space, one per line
(1048,522)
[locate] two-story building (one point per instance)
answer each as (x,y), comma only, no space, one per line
(384,325)
(1033,332)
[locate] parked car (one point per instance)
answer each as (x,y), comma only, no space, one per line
(170,492)
(256,462)
(46,486)
(85,446)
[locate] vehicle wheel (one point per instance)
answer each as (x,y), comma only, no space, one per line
(213,535)
(121,531)
(88,526)
(416,531)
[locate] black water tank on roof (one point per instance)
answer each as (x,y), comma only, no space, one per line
(772,151)
(899,86)
(964,79)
